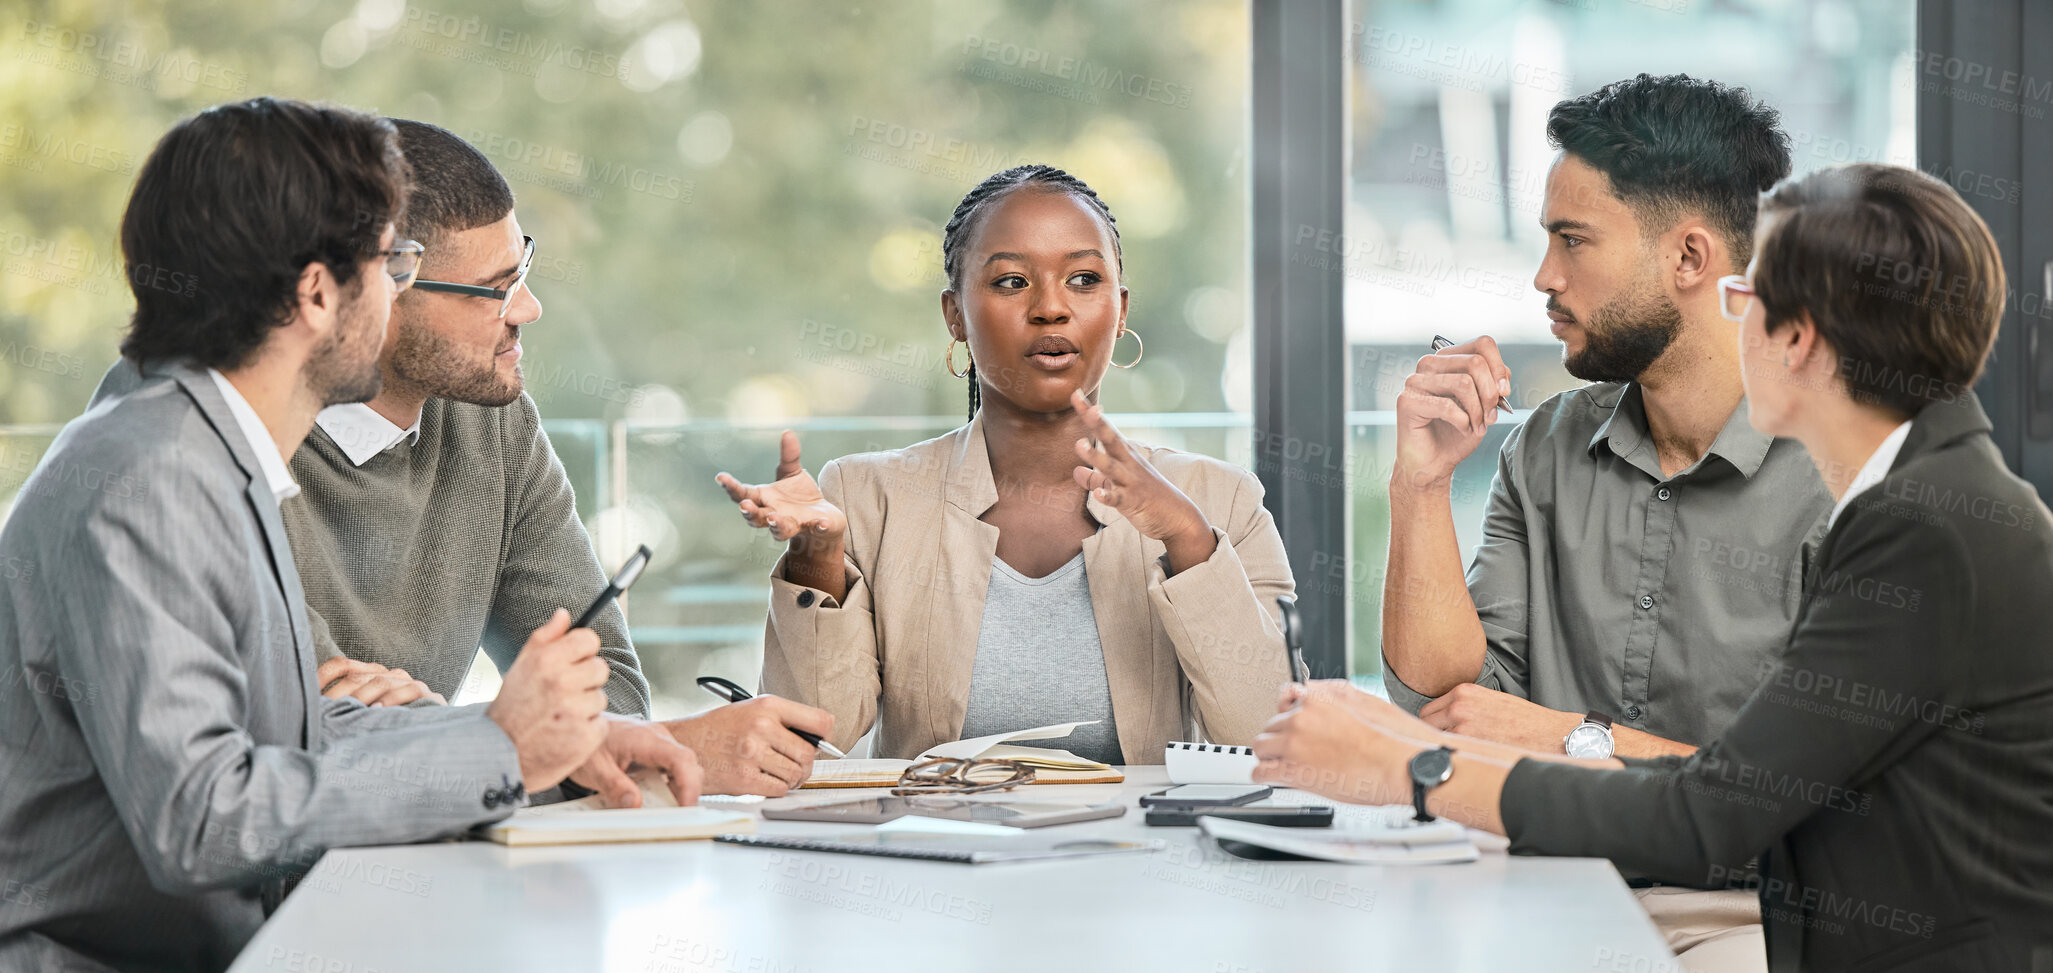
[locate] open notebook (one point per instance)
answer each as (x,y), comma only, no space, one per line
(589,821)
(1050,766)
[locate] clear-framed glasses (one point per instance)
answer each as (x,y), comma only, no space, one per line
(505,296)
(949,775)
(1734,295)
(402,262)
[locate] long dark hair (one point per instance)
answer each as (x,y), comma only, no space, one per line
(971,210)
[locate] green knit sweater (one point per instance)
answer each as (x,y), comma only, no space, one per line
(467,538)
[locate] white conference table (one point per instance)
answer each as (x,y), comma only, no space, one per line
(701,907)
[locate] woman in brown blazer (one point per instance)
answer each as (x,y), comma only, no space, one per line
(957,586)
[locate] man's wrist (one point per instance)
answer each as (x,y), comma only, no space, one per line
(1409,483)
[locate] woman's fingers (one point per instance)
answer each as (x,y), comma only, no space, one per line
(1107,435)
(736,490)
(787,455)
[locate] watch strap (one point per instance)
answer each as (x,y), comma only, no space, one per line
(1598,718)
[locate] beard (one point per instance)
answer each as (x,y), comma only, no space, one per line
(344,368)
(439,367)
(1624,338)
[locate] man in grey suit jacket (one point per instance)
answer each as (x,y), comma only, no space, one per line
(167,765)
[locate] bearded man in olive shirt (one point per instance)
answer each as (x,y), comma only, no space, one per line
(1644,545)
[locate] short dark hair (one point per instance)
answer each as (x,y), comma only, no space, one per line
(1675,145)
(239,199)
(1899,274)
(970,213)
(455,188)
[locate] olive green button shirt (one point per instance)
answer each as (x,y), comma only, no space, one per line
(1604,585)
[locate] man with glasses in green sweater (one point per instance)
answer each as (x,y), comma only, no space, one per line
(435,519)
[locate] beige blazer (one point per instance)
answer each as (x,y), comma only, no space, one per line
(1198,656)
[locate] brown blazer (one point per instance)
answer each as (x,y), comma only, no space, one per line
(1195,656)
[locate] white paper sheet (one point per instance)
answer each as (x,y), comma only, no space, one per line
(975,746)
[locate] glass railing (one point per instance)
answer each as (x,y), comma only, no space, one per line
(700,608)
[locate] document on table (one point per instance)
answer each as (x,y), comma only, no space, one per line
(1050,766)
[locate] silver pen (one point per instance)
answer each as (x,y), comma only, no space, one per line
(1440,343)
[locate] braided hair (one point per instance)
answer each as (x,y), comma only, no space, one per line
(969,213)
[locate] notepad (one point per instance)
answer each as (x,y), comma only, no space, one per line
(589,821)
(1209,763)
(610,825)
(1050,766)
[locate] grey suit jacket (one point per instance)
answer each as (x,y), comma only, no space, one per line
(167,764)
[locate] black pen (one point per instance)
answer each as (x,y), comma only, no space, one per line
(1294,639)
(726,689)
(1440,343)
(617,587)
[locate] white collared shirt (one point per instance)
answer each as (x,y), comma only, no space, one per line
(1872,471)
(362,432)
(277,475)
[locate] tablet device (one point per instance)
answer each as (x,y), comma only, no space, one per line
(1207,795)
(877,810)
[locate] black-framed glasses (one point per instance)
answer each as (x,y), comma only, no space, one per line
(505,296)
(949,775)
(402,262)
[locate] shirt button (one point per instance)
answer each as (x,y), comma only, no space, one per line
(805,599)
(1663,493)
(1632,712)
(1646,601)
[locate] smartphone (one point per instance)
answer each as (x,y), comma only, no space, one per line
(1207,795)
(617,587)
(1281,816)
(877,810)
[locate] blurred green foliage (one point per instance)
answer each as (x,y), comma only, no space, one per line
(737,204)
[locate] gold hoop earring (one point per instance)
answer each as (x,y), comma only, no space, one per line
(951,359)
(1140,349)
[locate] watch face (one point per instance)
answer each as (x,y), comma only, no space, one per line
(1588,740)
(1432,767)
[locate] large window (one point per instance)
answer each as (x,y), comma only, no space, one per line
(739,206)
(738,210)
(1449,160)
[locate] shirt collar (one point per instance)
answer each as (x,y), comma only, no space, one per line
(1873,470)
(1625,431)
(276,475)
(362,433)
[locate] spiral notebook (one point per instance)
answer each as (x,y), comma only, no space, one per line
(962,849)
(1209,763)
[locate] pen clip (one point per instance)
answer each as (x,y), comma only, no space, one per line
(724,688)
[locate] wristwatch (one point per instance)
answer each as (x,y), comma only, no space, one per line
(1429,769)
(1591,738)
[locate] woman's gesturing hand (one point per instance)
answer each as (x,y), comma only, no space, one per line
(1118,476)
(790,505)
(792,508)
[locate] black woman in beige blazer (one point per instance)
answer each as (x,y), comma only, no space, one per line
(878,606)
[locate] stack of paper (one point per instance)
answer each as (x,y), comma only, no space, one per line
(1050,766)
